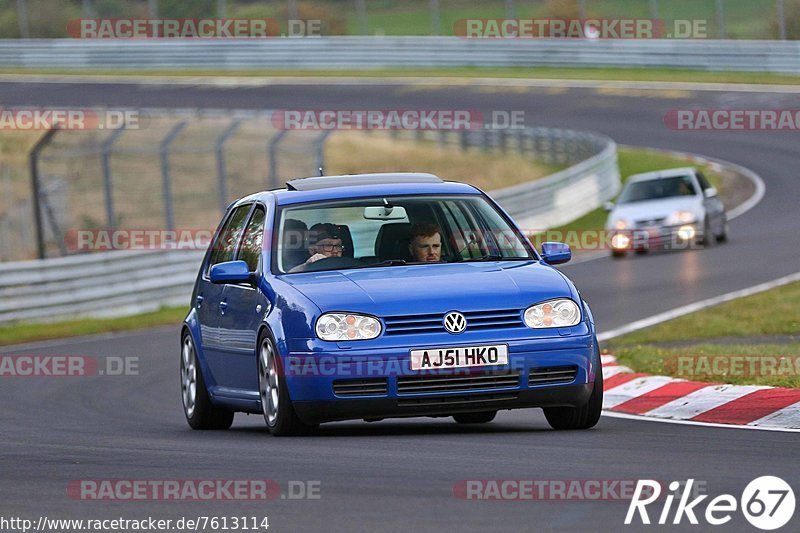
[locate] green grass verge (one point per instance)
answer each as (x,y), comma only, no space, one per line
(20,333)
(604,74)
(772,312)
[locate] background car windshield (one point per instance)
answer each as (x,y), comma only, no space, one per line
(640,191)
(470,229)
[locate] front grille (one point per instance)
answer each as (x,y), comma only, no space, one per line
(552,375)
(455,400)
(361,387)
(650,222)
(476,320)
(440,383)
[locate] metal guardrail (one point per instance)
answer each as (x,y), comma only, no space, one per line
(386,52)
(125,282)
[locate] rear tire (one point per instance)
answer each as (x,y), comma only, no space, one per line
(475,418)
(617,254)
(708,237)
(723,237)
(200,412)
(583,417)
(279,413)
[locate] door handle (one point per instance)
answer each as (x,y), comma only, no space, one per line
(222,306)
(199,300)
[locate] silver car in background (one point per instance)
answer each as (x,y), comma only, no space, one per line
(667,209)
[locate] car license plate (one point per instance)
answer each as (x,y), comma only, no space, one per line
(459,357)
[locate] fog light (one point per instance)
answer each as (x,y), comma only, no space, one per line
(620,241)
(686,233)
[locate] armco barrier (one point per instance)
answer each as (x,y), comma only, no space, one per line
(126,282)
(350,52)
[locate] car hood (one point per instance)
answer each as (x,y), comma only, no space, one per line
(655,209)
(438,288)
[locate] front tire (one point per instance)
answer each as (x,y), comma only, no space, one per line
(725,235)
(475,418)
(200,412)
(583,417)
(279,414)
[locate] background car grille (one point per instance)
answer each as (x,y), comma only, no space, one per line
(413,324)
(650,222)
(440,383)
(552,375)
(361,387)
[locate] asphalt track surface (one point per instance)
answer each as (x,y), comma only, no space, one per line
(399,475)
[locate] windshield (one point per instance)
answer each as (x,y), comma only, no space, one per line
(393,231)
(640,191)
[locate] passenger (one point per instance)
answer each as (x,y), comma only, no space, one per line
(426,243)
(324,241)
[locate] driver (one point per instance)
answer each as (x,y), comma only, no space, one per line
(426,243)
(324,241)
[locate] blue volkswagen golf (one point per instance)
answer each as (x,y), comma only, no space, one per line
(383,295)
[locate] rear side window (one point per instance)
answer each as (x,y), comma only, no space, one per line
(250,251)
(225,242)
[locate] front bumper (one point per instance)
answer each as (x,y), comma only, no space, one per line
(315,381)
(680,237)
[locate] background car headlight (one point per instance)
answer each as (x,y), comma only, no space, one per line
(681,217)
(621,223)
(553,314)
(347,327)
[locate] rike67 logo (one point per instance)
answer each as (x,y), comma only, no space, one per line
(767,503)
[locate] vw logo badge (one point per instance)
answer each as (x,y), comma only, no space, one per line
(455,322)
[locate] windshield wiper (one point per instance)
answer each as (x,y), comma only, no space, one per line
(388,262)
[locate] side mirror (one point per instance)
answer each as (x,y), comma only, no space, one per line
(608,206)
(556,253)
(231,272)
(711,192)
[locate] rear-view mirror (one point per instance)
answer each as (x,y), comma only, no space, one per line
(385,212)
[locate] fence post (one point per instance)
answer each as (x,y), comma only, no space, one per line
(721,18)
(653,9)
(108,188)
(361,9)
(436,20)
(219,149)
(166,186)
(272,153)
(40,145)
(319,149)
(781,20)
(510,12)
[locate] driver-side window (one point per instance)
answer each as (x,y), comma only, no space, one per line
(250,251)
(225,242)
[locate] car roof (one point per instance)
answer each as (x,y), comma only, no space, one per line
(659,174)
(321,188)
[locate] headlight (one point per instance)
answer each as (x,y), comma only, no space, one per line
(553,314)
(621,223)
(347,327)
(681,217)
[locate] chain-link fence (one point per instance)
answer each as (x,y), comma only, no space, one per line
(178,171)
(726,19)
